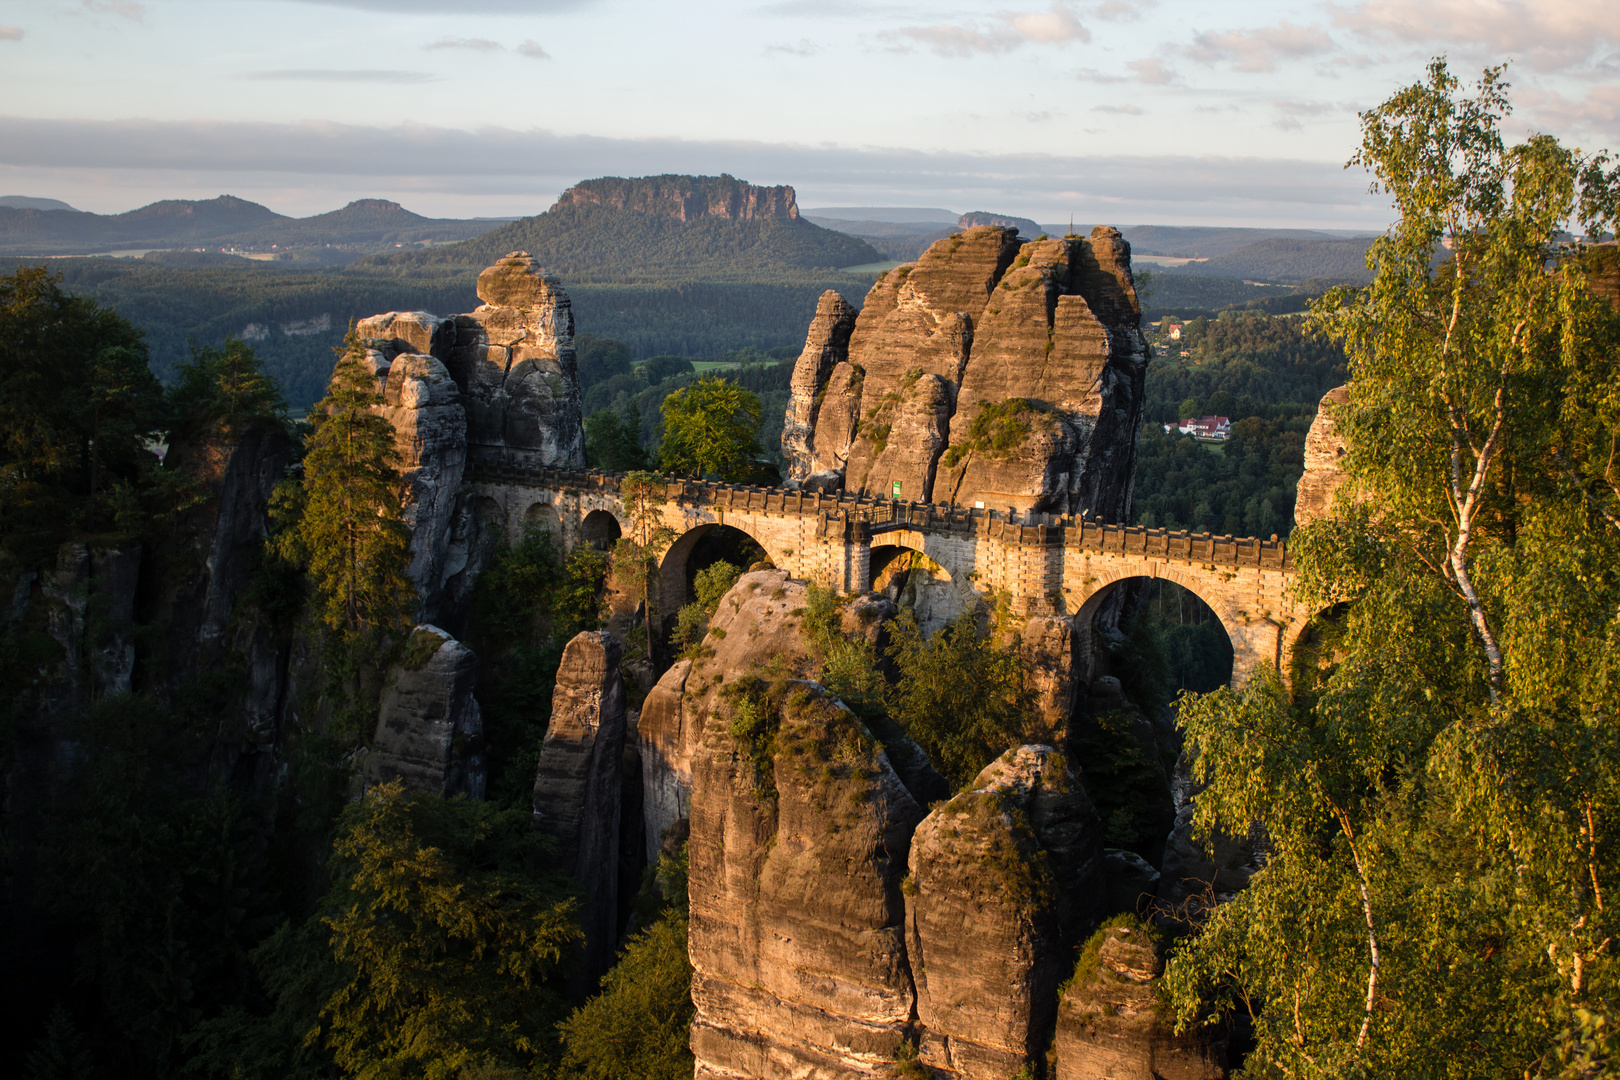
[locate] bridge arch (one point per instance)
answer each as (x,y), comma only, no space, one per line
(600,529)
(678,564)
(912,578)
(1256,639)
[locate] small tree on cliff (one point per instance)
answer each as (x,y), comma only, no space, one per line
(350,531)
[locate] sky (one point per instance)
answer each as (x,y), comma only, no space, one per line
(1118,111)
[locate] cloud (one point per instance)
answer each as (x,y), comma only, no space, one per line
(329,163)
(1151,71)
(1261,49)
(1598,112)
(124,9)
(804,48)
(1123,10)
(457,7)
(10,33)
(483,45)
(1010,30)
(1126,110)
(1548,34)
(533,51)
(1295,113)
(340,75)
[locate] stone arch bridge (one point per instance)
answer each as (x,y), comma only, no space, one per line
(1047,564)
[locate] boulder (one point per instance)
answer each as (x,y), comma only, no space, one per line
(987,372)
(578,791)
(430,732)
(1112,1024)
(1002,877)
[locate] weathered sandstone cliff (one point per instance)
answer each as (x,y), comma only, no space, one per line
(430,731)
(1324,448)
(987,372)
(685,198)
(1112,1024)
(1002,877)
(577,787)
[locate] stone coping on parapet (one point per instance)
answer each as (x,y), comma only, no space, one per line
(858,516)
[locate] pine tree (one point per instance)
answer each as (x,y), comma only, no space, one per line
(352,536)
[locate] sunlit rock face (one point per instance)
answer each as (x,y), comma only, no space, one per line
(989,371)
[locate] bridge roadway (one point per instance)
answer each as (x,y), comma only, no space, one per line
(1048,564)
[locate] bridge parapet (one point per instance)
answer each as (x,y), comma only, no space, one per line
(858,517)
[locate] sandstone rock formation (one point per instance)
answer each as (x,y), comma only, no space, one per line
(1195,875)
(577,785)
(751,628)
(798,848)
(430,732)
(514,359)
(685,198)
(825,344)
(500,381)
(1111,1023)
(1324,448)
(985,372)
(1001,877)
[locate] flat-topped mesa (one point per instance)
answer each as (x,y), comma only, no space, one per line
(989,372)
(685,198)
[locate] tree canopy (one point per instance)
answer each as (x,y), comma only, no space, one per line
(711,429)
(1439,784)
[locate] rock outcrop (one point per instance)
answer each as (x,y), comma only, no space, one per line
(1324,448)
(753,627)
(798,848)
(685,198)
(430,732)
(987,372)
(1195,876)
(1028,228)
(1111,1023)
(500,382)
(577,785)
(825,344)
(1002,876)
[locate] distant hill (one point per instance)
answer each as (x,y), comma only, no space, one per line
(1026,228)
(893,215)
(1290,259)
(905,241)
(1204,242)
(668,228)
(30,202)
(363,226)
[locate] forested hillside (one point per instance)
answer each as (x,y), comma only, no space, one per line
(1267,373)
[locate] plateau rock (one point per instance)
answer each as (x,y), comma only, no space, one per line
(1112,1024)
(989,372)
(685,198)
(430,732)
(1002,876)
(1324,449)
(577,784)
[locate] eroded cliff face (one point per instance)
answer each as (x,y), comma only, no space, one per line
(1003,876)
(430,730)
(577,787)
(1324,450)
(499,381)
(987,372)
(832,922)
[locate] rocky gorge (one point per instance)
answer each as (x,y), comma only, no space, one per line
(850,913)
